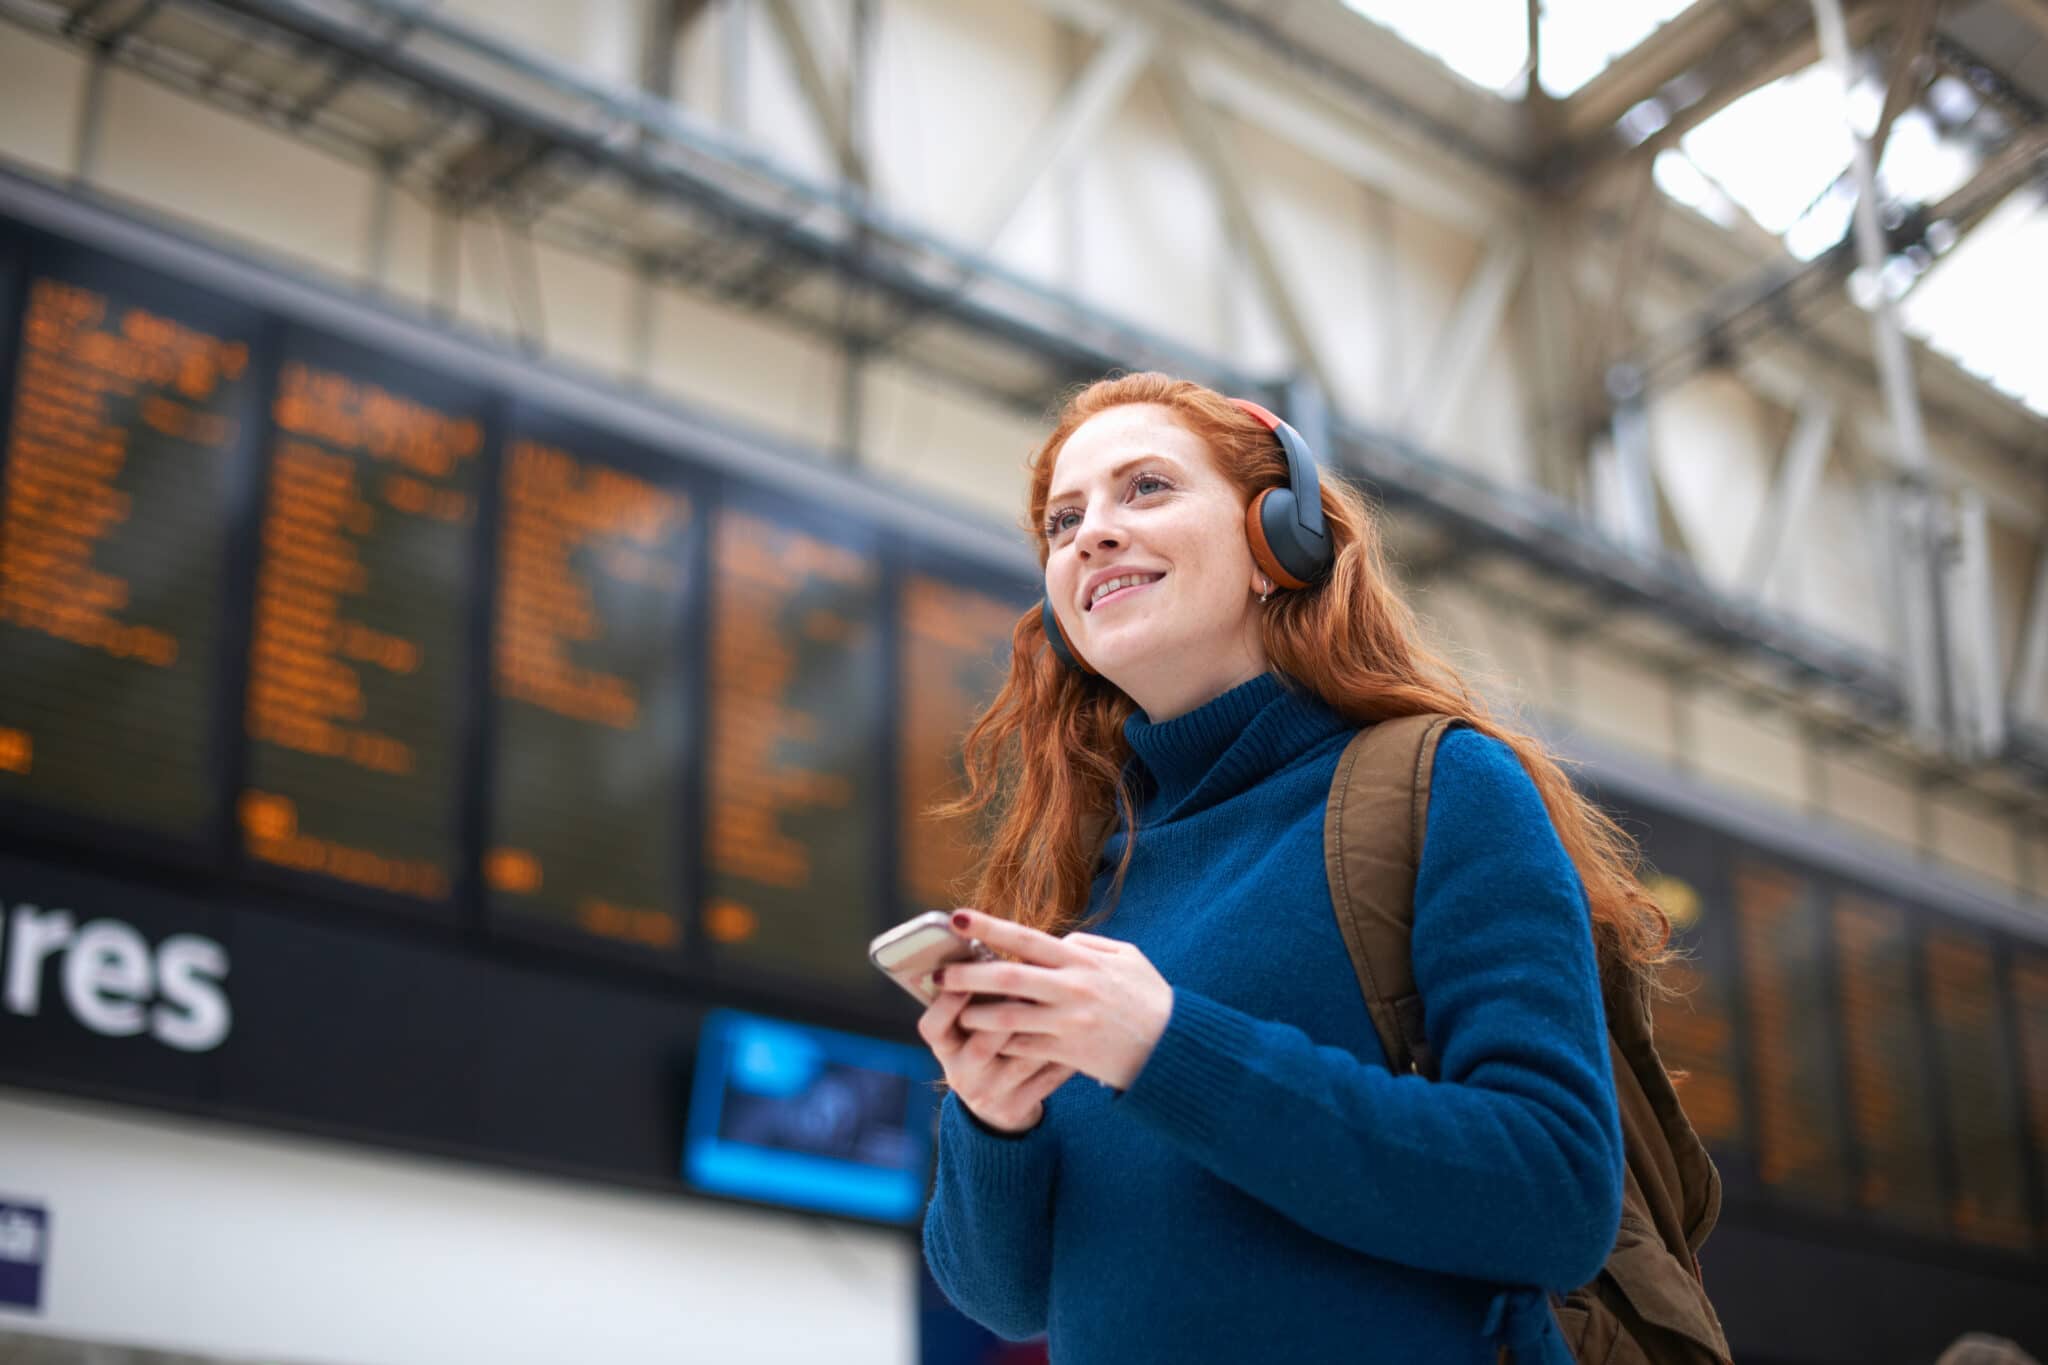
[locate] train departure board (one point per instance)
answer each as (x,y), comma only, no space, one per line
(1981,1108)
(1695,1026)
(359,638)
(795,821)
(955,646)
(590,678)
(2030,1005)
(1891,1104)
(1799,1147)
(131,398)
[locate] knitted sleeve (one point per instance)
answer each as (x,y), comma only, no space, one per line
(988,1231)
(1509,1167)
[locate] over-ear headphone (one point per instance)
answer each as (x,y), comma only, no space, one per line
(1289,542)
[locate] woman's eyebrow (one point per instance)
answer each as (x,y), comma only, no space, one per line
(1126,467)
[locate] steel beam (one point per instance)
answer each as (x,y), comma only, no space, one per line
(1455,356)
(1625,472)
(1888,337)
(666,22)
(1977,719)
(826,102)
(1615,329)
(1207,139)
(1912,527)
(1776,296)
(1909,63)
(1786,506)
(1592,161)
(2027,698)
(1668,53)
(1335,114)
(1091,97)
(735,22)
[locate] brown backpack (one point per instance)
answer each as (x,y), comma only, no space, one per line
(1648,1305)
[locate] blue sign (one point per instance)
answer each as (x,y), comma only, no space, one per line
(24,1240)
(810,1117)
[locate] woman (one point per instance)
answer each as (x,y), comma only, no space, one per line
(1246,1180)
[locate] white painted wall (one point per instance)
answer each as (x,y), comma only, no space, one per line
(195,1236)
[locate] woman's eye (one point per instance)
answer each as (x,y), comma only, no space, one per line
(1062,521)
(1148,483)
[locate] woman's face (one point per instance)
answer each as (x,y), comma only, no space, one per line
(1147,565)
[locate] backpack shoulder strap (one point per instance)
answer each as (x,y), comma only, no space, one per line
(1372,848)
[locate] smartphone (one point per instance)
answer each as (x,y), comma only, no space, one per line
(914,949)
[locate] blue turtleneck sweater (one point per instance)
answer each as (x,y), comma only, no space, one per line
(1267,1190)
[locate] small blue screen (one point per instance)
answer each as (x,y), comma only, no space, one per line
(790,1114)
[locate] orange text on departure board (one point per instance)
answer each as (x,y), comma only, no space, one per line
(560,511)
(1878,1030)
(1962,994)
(1793,1140)
(1697,1043)
(307,654)
(351,414)
(759,737)
(352,465)
(270,826)
(952,641)
(69,443)
(2030,1000)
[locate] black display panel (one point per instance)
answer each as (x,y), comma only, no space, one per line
(1800,1152)
(595,570)
(132,399)
(1891,1100)
(359,654)
(1697,1022)
(2030,1012)
(954,642)
(1981,1107)
(795,846)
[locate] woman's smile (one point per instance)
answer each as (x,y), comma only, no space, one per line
(1117,589)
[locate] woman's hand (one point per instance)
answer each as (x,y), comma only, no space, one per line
(1091,1004)
(1006,1093)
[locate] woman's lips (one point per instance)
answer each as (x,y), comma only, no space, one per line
(1122,593)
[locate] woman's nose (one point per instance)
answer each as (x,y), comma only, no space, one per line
(1097,533)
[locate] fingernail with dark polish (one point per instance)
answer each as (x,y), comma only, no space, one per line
(959,919)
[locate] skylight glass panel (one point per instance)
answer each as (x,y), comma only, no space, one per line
(1679,178)
(1776,151)
(1582,38)
(1782,155)
(1981,303)
(1487,41)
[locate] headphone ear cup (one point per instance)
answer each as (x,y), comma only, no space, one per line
(1269,526)
(1056,639)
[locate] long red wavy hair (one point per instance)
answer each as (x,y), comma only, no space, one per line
(1043,762)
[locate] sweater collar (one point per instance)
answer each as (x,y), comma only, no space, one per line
(1228,743)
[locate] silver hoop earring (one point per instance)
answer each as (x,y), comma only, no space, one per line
(1265,595)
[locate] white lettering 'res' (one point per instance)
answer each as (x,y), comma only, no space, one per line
(113,982)
(107,976)
(194,1015)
